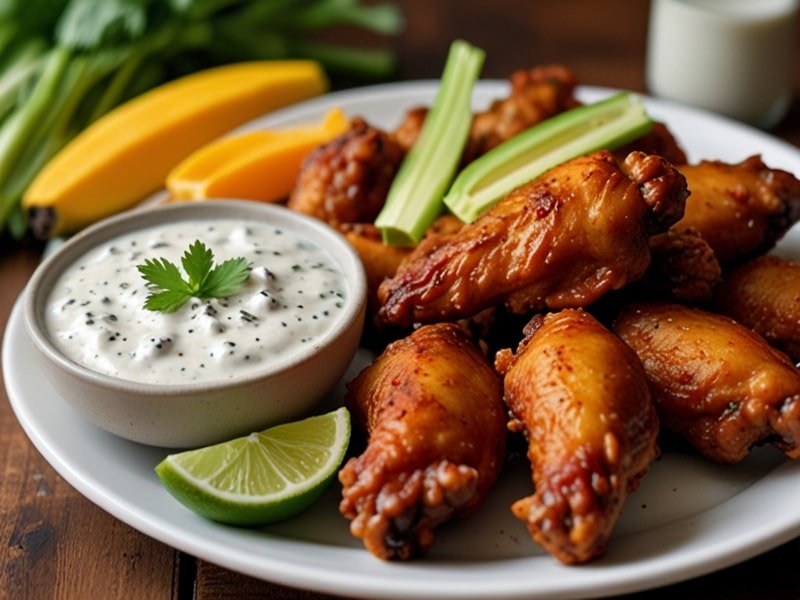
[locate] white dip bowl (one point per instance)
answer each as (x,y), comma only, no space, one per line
(200,413)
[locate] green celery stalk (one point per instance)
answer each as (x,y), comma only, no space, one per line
(415,197)
(609,123)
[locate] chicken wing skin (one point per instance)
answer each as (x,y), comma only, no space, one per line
(561,241)
(581,397)
(740,209)
(433,409)
(715,382)
(347,179)
(764,295)
(683,268)
(659,141)
(380,260)
(536,94)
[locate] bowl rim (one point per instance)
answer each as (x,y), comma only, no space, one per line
(44,278)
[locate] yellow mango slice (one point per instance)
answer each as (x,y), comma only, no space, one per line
(126,155)
(260,165)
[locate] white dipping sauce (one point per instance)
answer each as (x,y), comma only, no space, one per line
(295,294)
(735,57)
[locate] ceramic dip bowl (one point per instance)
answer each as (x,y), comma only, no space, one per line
(214,368)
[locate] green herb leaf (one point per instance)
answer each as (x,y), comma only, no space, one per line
(226,278)
(166,302)
(197,261)
(171,291)
(161,273)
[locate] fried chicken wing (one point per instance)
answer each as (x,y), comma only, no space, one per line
(659,141)
(560,241)
(764,295)
(347,179)
(581,397)
(683,268)
(536,95)
(380,260)
(715,382)
(741,209)
(436,422)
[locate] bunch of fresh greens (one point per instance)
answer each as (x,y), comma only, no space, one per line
(64,63)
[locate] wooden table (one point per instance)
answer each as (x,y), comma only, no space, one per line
(56,544)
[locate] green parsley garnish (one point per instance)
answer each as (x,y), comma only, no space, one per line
(171,290)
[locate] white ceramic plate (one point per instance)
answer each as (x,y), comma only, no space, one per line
(688,518)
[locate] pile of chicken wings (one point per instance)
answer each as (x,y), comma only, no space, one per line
(617,294)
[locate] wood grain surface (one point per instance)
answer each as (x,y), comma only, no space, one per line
(56,544)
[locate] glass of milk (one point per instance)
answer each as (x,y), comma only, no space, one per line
(734,57)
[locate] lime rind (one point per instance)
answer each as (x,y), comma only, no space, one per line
(295,462)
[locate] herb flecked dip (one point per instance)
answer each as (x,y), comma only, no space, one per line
(294,295)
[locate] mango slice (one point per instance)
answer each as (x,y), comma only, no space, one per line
(126,155)
(260,165)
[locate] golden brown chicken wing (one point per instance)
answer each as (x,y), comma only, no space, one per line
(764,295)
(659,141)
(740,209)
(382,260)
(562,240)
(581,397)
(683,268)
(436,422)
(536,95)
(715,382)
(347,179)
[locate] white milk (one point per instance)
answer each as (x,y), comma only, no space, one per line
(734,57)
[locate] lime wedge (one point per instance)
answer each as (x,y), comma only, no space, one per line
(263,477)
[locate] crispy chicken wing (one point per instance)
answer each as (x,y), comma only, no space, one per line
(581,397)
(436,422)
(715,382)
(659,141)
(560,241)
(382,260)
(764,295)
(683,268)
(536,95)
(740,209)
(347,179)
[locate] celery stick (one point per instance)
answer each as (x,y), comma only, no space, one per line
(415,198)
(606,124)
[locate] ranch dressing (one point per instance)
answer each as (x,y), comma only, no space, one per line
(294,295)
(734,57)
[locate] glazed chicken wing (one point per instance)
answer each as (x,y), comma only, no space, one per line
(740,209)
(562,240)
(581,397)
(347,179)
(536,95)
(380,260)
(659,141)
(764,295)
(715,382)
(683,268)
(432,406)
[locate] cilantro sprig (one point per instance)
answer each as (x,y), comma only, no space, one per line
(170,291)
